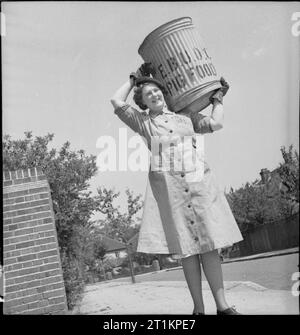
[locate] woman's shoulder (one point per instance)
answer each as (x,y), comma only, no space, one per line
(126,107)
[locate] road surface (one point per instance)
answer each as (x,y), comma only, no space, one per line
(272,272)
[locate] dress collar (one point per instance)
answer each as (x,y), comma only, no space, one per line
(164,111)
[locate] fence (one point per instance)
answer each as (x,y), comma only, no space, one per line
(282,234)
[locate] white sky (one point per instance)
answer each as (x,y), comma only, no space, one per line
(62,61)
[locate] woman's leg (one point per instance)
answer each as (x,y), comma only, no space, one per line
(192,271)
(213,272)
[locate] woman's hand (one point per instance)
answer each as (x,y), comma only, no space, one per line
(218,96)
(145,70)
(225,86)
(119,98)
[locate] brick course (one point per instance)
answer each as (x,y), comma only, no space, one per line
(32,270)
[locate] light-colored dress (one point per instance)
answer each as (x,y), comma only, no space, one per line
(185,212)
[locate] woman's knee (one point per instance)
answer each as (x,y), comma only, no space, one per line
(190,260)
(210,255)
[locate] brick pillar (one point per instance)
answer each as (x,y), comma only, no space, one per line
(33,280)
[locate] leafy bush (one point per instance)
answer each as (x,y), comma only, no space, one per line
(73,280)
(266,201)
(67,172)
(125,272)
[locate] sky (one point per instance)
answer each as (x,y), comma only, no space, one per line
(63,61)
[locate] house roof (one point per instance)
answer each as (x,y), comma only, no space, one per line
(133,242)
(112,245)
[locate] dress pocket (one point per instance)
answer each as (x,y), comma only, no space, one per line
(205,193)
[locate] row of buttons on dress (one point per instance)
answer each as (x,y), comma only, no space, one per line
(170,131)
(186,190)
(189,206)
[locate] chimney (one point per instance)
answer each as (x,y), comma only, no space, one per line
(265,175)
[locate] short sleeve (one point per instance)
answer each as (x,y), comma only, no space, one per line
(201,123)
(131,117)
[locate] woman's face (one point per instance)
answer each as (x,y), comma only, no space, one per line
(153,97)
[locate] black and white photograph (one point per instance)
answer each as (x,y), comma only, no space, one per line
(150,160)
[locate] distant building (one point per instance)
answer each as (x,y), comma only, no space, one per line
(113,248)
(272,181)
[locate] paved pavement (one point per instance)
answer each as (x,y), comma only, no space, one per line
(172,297)
(121,298)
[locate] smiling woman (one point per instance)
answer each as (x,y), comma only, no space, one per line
(153,97)
(185,212)
(63,60)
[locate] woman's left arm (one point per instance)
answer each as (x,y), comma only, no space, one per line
(217,116)
(208,124)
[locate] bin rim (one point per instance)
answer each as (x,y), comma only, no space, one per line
(155,31)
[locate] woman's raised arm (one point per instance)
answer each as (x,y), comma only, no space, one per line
(208,124)
(119,98)
(217,116)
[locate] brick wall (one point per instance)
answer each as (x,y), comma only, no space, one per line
(33,281)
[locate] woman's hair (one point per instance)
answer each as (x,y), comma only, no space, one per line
(138,94)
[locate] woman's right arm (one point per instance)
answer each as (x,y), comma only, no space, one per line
(119,98)
(126,113)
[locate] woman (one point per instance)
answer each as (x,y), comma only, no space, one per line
(185,213)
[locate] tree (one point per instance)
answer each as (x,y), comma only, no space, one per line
(68,173)
(289,172)
(117,225)
(258,203)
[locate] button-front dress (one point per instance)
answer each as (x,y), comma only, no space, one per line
(185,212)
